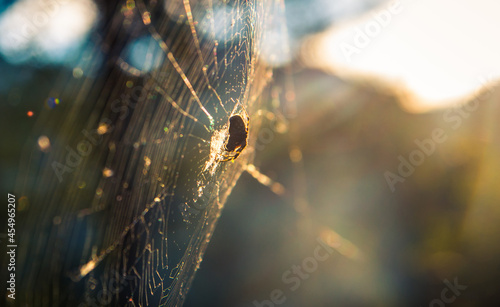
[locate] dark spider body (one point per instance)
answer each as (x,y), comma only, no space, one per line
(237,133)
(237,140)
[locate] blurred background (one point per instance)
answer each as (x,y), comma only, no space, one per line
(385,144)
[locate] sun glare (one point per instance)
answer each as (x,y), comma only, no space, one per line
(437,51)
(46,30)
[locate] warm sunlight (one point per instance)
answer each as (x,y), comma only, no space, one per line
(439,55)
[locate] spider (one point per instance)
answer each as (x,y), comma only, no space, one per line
(237,140)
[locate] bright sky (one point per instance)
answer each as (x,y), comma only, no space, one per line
(440,50)
(47,30)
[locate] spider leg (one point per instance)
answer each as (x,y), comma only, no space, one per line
(237,152)
(227,158)
(242,146)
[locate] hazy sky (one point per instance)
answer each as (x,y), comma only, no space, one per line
(440,50)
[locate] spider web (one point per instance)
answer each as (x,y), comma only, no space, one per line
(124,202)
